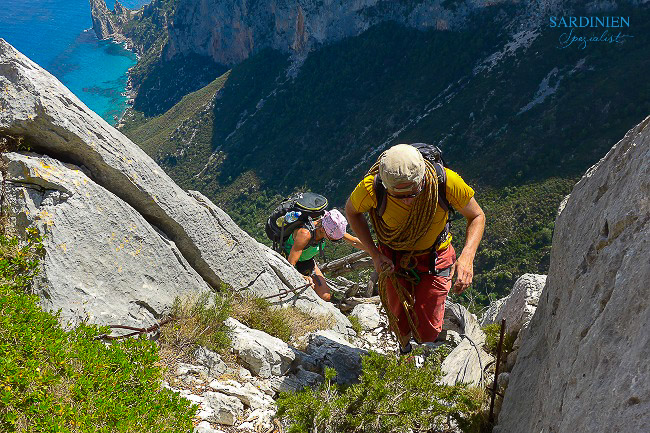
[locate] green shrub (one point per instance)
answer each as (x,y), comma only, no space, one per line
(52,380)
(392,396)
(492,334)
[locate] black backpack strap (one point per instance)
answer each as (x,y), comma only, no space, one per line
(281,249)
(309,225)
(380,194)
(442,187)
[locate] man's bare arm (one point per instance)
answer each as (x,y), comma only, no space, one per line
(464,266)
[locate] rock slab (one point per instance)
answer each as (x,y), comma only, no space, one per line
(263,354)
(104,262)
(466,364)
(458,319)
(583,366)
(34,105)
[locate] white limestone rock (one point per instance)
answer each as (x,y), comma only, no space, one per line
(368,315)
(466,364)
(246,393)
(263,354)
(227,409)
(104,262)
(519,306)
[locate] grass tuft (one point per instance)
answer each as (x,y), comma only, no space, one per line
(287,324)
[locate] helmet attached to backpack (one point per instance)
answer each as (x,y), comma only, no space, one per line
(299,210)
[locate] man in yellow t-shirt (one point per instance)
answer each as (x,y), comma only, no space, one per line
(414,248)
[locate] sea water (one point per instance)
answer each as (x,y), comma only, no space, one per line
(58,35)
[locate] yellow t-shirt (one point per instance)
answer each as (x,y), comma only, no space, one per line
(458,194)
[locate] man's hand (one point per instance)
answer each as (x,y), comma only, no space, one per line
(380,261)
(464,270)
(309,280)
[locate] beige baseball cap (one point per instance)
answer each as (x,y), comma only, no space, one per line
(401,163)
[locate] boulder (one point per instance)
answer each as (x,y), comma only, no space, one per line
(368,315)
(583,365)
(458,319)
(52,121)
(246,393)
(490,315)
(211,360)
(296,381)
(466,364)
(226,409)
(263,354)
(330,349)
(519,306)
(104,262)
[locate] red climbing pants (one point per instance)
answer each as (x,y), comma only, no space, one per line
(430,293)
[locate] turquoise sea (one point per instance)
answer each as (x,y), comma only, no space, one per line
(57,35)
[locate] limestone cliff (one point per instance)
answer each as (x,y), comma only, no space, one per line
(583,365)
(139,29)
(108,24)
(229,31)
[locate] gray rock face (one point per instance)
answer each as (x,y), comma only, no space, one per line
(490,316)
(210,360)
(519,306)
(296,381)
(229,31)
(226,409)
(247,393)
(102,19)
(107,23)
(368,315)
(458,319)
(466,364)
(584,364)
(330,349)
(103,262)
(36,106)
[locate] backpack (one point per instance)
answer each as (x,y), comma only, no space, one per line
(433,154)
(310,205)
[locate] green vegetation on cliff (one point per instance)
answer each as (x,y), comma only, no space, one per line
(391,396)
(53,380)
